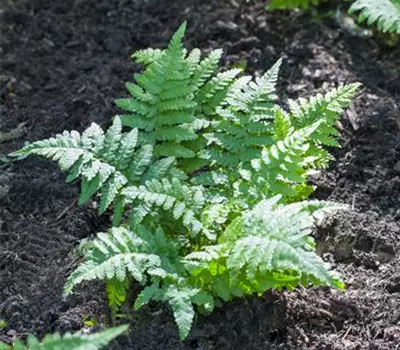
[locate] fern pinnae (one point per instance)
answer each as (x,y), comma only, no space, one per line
(171,98)
(220,82)
(127,149)
(206,68)
(193,59)
(140,162)
(265,86)
(147,56)
(182,308)
(112,140)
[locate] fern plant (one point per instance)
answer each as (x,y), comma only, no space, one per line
(385,14)
(241,223)
(76,341)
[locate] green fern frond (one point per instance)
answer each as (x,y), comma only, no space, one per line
(326,109)
(152,292)
(86,156)
(283,166)
(206,68)
(277,238)
(179,298)
(193,59)
(106,163)
(170,149)
(140,163)
(384,13)
(291,4)
(158,169)
(245,115)
(269,246)
(193,185)
(139,122)
(182,307)
(116,292)
(212,93)
(115,254)
(170,100)
(68,341)
(247,95)
(127,149)
(162,97)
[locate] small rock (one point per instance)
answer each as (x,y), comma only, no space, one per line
(88,65)
(48,42)
(317,73)
(11,333)
(72,43)
(343,250)
(230,26)
(50,87)
(306,72)
(81,89)
(113,45)
(26,86)
(245,44)
(397,167)
(4,189)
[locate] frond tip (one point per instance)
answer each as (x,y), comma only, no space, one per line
(102,160)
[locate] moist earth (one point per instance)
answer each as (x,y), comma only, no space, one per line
(62,65)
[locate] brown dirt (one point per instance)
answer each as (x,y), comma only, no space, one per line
(62,65)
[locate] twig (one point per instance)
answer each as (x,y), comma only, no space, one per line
(14,133)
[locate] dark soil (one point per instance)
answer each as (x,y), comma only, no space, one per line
(62,65)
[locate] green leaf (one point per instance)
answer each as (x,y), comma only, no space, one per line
(183,310)
(115,254)
(88,189)
(148,293)
(116,292)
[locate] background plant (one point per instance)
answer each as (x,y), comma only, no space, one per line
(207,189)
(68,341)
(292,4)
(385,14)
